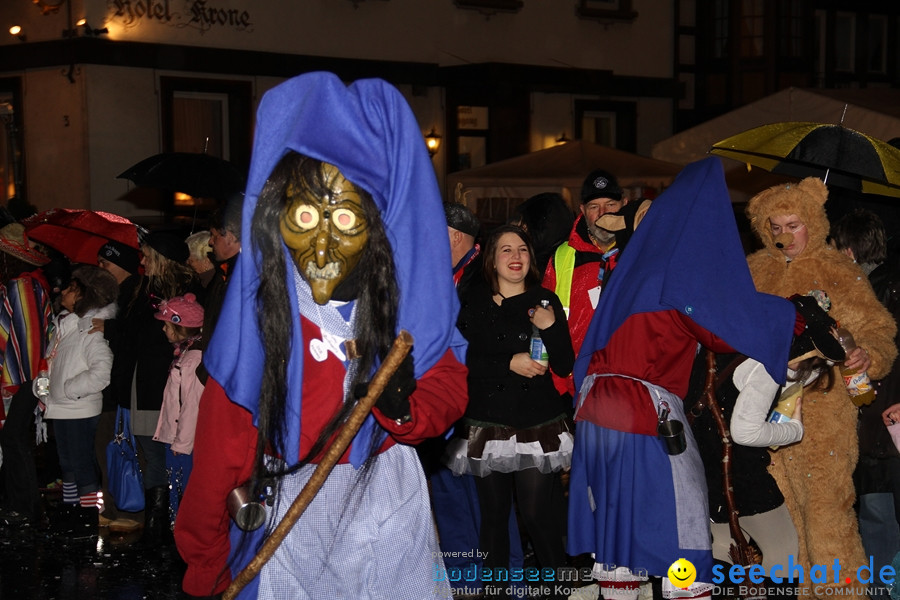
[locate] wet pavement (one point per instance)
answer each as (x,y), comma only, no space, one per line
(54,560)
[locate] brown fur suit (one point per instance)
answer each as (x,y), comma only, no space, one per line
(815,475)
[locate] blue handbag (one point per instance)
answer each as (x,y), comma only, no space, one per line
(126,483)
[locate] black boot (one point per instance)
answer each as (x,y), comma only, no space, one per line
(156,515)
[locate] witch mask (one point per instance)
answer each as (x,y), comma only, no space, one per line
(325,228)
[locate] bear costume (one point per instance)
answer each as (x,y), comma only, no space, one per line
(815,475)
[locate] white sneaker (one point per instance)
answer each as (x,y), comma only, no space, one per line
(587,592)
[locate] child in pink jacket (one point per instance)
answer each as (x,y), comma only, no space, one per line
(182,318)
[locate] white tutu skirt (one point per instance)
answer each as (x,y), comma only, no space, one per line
(500,449)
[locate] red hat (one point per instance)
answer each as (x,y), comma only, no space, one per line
(14,241)
(181,310)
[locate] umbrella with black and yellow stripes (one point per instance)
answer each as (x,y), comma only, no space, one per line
(839,156)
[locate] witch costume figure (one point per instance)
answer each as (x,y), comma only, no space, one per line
(340,255)
(636,503)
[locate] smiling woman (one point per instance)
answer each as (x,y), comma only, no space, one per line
(512,265)
(517,427)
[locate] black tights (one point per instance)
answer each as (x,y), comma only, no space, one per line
(535,495)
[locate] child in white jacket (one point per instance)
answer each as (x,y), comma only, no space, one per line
(182,318)
(813,351)
(79,365)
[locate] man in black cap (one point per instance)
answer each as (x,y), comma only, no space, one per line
(121,260)
(225,246)
(577,268)
(124,263)
(462,227)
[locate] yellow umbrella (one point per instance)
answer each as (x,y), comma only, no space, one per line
(838,155)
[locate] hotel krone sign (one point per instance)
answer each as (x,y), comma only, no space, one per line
(198,14)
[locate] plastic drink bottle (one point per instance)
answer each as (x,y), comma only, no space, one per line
(787,404)
(538,349)
(859,386)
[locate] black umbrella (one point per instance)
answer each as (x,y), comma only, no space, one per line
(834,153)
(200,175)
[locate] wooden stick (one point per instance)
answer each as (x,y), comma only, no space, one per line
(399,350)
(741,551)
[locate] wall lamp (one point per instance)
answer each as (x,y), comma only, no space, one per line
(18,32)
(433,142)
(88,30)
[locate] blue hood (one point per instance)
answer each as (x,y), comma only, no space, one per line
(369,132)
(686,255)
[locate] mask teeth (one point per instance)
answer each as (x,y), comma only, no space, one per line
(329,271)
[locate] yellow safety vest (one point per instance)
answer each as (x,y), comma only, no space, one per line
(564,263)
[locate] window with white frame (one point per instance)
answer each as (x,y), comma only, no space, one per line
(199,123)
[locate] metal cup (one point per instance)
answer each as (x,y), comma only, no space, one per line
(672,433)
(249,515)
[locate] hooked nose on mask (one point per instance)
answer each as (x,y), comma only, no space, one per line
(783,240)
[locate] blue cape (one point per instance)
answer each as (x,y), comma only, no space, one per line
(686,255)
(369,132)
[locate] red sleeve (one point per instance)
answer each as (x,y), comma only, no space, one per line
(549,280)
(224,447)
(439,401)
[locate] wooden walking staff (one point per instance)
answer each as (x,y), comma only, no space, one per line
(398,352)
(741,551)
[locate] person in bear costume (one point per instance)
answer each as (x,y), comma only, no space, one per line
(815,475)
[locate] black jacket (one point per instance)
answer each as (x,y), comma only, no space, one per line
(136,337)
(495,334)
(215,296)
(139,346)
(212,307)
(874,439)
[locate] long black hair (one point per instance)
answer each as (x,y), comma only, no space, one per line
(372,283)
(823,382)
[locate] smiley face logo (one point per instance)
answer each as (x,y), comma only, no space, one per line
(682,573)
